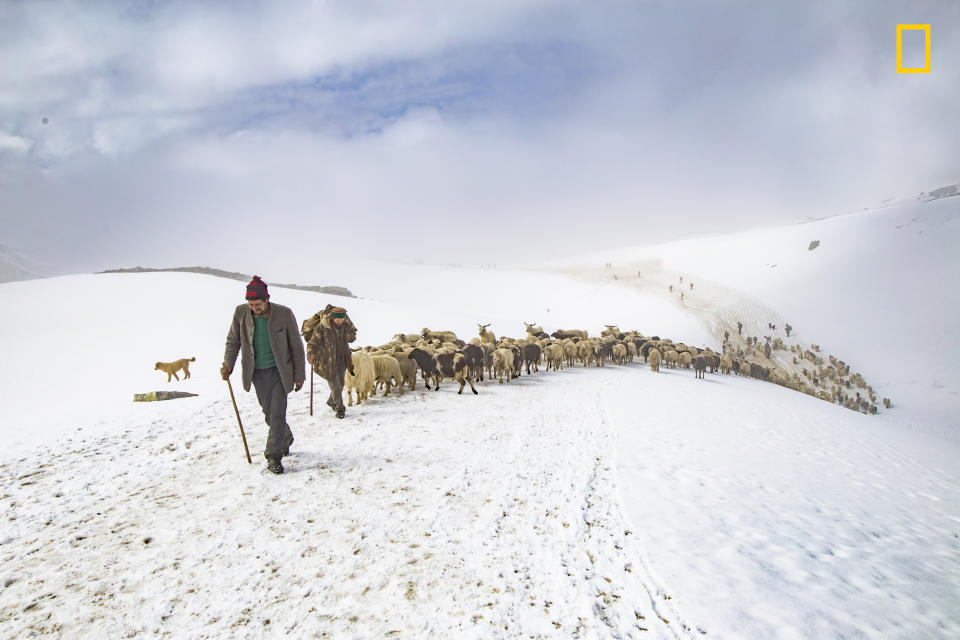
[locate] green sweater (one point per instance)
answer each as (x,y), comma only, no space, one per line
(263,354)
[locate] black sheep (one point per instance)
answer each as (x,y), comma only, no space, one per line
(700,366)
(474,355)
(531,355)
(443,365)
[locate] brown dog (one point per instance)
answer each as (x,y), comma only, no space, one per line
(171,368)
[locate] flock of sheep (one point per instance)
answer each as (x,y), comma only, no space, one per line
(439,355)
(804,370)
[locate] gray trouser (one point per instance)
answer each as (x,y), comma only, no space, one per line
(273,400)
(336,391)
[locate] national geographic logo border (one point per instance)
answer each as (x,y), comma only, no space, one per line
(926,46)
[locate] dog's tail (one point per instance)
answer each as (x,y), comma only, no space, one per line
(192,359)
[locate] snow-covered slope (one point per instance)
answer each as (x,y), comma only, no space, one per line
(878,292)
(771,514)
(85,344)
(585,503)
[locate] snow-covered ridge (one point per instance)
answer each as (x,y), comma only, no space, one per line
(876,280)
(924,196)
(233,275)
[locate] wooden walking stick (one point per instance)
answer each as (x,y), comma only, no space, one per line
(311,390)
(235,410)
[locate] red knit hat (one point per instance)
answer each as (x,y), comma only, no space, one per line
(257,289)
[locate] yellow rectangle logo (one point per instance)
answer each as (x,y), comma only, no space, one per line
(926,46)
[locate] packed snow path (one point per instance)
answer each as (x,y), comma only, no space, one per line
(430,515)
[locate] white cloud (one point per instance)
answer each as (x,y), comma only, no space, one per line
(13,143)
(515,129)
(185,56)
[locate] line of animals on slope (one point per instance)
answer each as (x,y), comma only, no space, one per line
(831,382)
(440,355)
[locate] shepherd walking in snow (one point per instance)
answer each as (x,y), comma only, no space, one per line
(328,352)
(267,338)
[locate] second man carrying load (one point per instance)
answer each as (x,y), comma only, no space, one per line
(329,334)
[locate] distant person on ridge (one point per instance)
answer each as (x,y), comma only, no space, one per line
(267,337)
(328,352)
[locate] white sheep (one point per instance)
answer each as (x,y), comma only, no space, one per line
(387,372)
(569,333)
(725,364)
(408,369)
(671,357)
(485,334)
(654,358)
(611,330)
(422,344)
(554,356)
(444,336)
(363,380)
(502,364)
(532,329)
(570,353)
(586,351)
(619,354)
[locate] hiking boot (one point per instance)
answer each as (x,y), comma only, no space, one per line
(341,412)
(274,466)
(286,449)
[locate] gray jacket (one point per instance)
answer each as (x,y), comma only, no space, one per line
(285,341)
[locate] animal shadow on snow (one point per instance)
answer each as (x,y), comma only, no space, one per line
(681,374)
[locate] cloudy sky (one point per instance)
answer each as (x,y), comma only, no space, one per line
(170,133)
